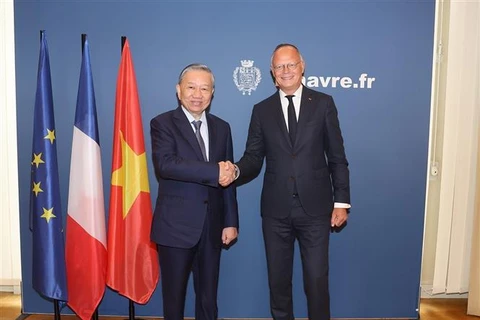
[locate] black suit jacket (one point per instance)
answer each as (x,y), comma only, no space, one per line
(188,186)
(316,163)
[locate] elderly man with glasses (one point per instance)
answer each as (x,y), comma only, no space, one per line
(306,189)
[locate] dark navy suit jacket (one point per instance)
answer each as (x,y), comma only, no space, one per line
(187,185)
(316,163)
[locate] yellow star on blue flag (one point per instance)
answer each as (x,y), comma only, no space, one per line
(49,276)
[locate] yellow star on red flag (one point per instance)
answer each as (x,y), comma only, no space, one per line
(132,176)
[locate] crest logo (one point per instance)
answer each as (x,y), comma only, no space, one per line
(247,77)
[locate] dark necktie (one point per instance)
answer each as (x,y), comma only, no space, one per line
(197,125)
(292,119)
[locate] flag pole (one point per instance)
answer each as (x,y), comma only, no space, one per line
(56,303)
(131,310)
(128,282)
(84,39)
(131,304)
(122,43)
(56,308)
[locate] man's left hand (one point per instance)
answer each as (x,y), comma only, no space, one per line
(229,234)
(339,216)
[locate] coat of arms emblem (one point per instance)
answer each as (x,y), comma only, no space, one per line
(247,77)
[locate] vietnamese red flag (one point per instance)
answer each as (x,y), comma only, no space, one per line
(133,268)
(86,244)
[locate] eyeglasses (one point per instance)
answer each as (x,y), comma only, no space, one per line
(290,66)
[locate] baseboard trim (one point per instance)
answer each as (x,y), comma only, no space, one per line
(15,289)
(426,293)
(24,316)
(10,282)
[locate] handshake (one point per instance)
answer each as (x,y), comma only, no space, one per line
(227,173)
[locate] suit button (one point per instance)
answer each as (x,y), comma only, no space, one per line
(292,178)
(205,201)
(294,156)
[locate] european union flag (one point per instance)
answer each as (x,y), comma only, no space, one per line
(45,211)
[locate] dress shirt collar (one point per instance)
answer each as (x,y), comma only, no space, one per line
(296,103)
(190,118)
(297,94)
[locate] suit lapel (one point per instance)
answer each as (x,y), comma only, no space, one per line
(212,138)
(181,121)
(306,113)
(280,118)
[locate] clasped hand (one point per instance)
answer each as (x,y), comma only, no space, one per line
(227,173)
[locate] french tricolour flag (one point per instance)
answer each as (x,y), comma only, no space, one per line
(86,253)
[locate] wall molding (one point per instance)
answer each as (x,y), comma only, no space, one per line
(10,264)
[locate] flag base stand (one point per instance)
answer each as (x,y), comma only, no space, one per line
(56,309)
(131,311)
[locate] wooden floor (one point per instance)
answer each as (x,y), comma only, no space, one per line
(430,309)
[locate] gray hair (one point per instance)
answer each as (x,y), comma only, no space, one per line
(196,66)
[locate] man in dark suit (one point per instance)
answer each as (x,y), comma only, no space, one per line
(194,215)
(306,184)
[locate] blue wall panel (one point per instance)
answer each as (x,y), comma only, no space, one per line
(375,260)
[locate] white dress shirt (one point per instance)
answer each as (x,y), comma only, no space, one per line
(203,128)
(296,103)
